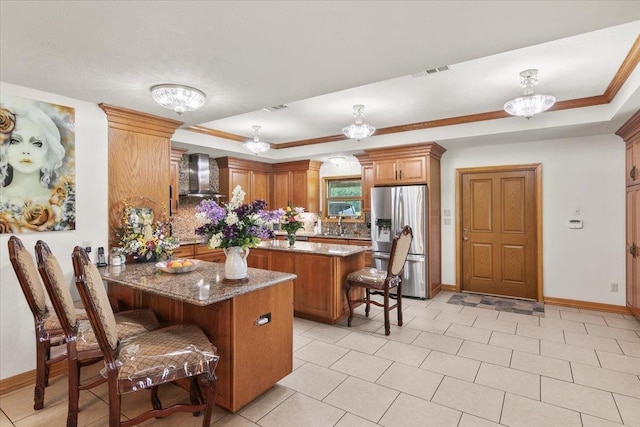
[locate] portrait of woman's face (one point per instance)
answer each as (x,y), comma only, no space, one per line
(27,149)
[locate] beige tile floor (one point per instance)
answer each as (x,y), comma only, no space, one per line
(447,366)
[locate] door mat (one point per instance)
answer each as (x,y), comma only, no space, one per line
(510,305)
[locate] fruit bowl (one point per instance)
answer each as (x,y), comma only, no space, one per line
(177,266)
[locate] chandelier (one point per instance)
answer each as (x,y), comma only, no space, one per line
(255,145)
(529,103)
(178,98)
(358,130)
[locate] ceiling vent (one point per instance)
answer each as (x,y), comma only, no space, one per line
(276,107)
(431,71)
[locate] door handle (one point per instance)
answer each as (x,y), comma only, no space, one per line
(464,239)
(400,175)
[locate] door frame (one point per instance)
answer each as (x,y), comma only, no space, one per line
(537,171)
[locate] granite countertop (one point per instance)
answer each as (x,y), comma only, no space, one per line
(203,286)
(314,248)
(198,240)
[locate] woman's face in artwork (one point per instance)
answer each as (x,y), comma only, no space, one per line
(27,150)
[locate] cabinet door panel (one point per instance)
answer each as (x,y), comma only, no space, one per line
(385,171)
(280,190)
(260,186)
(258,259)
(243,179)
(298,189)
(367,183)
(311,291)
(633,237)
(412,170)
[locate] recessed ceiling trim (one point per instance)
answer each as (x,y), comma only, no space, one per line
(218,133)
(626,68)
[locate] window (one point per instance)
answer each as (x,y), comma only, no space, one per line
(343,197)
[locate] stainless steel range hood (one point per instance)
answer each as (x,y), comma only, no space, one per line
(199,177)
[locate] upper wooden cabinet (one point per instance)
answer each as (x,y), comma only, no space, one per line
(253,177)
(403,165)
(366,179)
(632,170)
(298,184)
(174,172)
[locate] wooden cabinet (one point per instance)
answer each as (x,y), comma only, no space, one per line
(253,177)
(206,254)
(174,172)
(366,178)
(298,184)
(139,160)
(630,132)
(184,251)
(353,242)
(414,164)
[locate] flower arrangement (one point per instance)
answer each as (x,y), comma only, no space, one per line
(145,240)
(291,220)
(235,223)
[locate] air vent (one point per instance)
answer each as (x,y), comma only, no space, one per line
(431,71)
(276,107)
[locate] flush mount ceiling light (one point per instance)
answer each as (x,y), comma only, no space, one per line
(178,98)
(529,104)
(358,130)
(255,145)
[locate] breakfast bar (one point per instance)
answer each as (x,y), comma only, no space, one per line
(250,323)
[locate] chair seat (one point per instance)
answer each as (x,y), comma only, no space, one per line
(164,355)
(371,277)
(129,324)
(51,322)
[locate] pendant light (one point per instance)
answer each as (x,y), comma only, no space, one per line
(529,103)
(358,130)
(255,145)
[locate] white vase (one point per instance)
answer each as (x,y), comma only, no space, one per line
(235,267)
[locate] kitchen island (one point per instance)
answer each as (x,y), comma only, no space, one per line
(321,270)
(250,323)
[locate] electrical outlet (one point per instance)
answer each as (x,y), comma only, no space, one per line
(86,243)
(614,287)
(576,211)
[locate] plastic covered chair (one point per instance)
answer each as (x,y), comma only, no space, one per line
(371,278)
(82,346)
(49,333)
(148,360)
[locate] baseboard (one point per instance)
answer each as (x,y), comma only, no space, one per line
(448,288)
(588,305)
(7,385)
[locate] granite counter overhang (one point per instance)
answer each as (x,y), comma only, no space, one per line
(203,286)
(314,248)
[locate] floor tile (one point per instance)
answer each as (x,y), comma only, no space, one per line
(630,348)
(510,380)
(582,317)
(589,341)
(365,325)
(438,342)
(4,421)
(91,409)
(453,366)
(411,380)
(606,379)
(362,365)
(515,342)
(321,353)
(485,353)
(350,420)
(186,419)
(313,380)
(541,365)
(629,409)
(569,352)
(579,398)
(610,332)
(564,325)
(519,318)
(474,399)
(443,306)
(591,421)
(299,341)
(232,420)
(422,312)
(468,333)
(604,314)
(302,410)
(326,333)
(19,404)
(519,411)
(540,333)
(404,353)
(619,362)
(551,312)
(632,324)
(362,398)
(363,343)
(266,403)
(409,411)
(480,312)
(428,325)
(473,421)
(301,325)
(495,325)
(398,333)
(459,318)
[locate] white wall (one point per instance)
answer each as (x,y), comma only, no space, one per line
(17,339)
(583,172)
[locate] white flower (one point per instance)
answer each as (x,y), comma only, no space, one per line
(237,198)
(232,218)
(215,240)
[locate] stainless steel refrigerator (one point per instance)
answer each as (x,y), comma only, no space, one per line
(391,209)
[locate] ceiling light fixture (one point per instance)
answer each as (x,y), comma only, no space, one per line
(358,130)
(530,103)
(337,160)
(255,145)
(178,98)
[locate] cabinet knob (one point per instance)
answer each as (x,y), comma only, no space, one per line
(633,250)
(633,173)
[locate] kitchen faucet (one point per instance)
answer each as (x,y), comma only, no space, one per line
(340,225)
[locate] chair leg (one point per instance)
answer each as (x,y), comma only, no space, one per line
(74,392)
(368,302)
(41,374)
(155,400)
(347,290)
(115,401)
(195,395)
(387,323)
(399,302)
(210,381)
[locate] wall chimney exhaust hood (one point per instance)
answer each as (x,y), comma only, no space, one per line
(199,175)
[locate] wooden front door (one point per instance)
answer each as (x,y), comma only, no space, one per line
(499,218)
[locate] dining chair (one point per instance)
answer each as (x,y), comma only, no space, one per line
(381,281)
(81,343)
(49,333)
(149,360)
